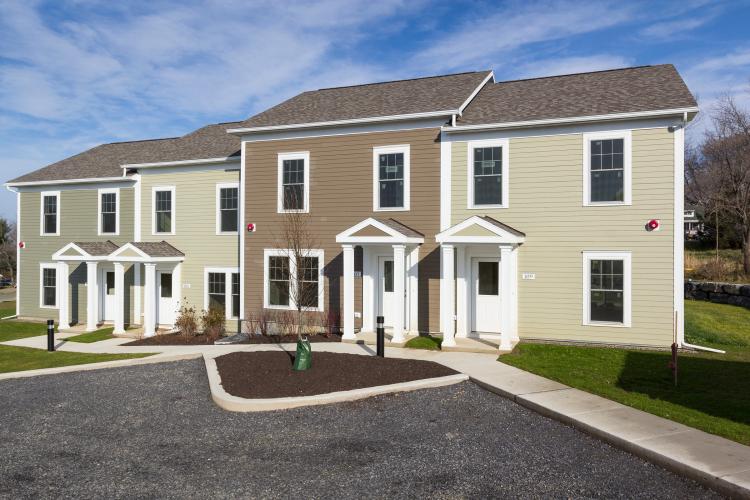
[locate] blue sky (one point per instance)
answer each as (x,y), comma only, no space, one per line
(77,73)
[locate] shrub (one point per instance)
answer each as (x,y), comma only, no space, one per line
(250,324)
(213,322)
(285,323)
(187,321)
(263,320)
(329,322)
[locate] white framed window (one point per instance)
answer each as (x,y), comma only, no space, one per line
(49,213)
(109,211)
(391,166)
(163,210)
(227,208)
(488,178)
(279,268)
(293,182)
(48,285)
(607,168)
(607,289)
(221,289)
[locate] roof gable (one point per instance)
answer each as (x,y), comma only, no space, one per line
(373,230)
(478,229)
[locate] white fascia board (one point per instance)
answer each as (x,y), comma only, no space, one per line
(471,97)
(201,161)
(574,119)
(335,123)
(94,180)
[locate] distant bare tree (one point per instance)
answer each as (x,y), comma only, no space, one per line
(717,172)
(8,249)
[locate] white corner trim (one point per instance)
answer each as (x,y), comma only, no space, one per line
(679,238)
(490,76)
(627,299)
(227,272)
(627,137)
(137,191)
(446,163)
(504,144)
(42,267)
(173,228)
(44,194)
(334,123)
(405,149)
(99,194)
(241,249)
(19,239)
(180,163)
(219,187)
(280,252)
(300,155)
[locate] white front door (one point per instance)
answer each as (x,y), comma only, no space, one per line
(485,274)
(386,297)
(108,295)
(166,303)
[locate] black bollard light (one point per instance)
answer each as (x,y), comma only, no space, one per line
(380,332)
(50,335)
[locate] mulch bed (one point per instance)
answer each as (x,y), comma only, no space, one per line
(270,375)
(177,339)
(291,339)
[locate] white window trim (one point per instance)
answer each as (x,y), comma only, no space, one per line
(588,256)
(627,149)
(300,155)
(274,252)
(219,187)
(100,192)
(376,152)
(42,267)
(227,271)
(41,213)
(488,143)
(153,209)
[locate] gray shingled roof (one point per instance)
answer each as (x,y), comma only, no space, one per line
(157,248)
(401,228)
(418,95)
(626,90)
(211,141)
(97,248)
(506,227)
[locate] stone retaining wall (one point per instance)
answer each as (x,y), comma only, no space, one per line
(720,293)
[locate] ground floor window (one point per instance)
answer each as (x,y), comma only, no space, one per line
(223,290)
(48,286)
(282,290)
(607,288)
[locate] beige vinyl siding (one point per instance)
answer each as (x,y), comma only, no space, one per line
(194,224)
(546,203)
(78,222)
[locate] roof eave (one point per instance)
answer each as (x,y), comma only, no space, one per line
(689,111)
(182,163)
(374,119)
(88,180)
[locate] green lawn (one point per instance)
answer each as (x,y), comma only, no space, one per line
(712,393)
(11,329)
(14,359)
(89,337)
(425,342)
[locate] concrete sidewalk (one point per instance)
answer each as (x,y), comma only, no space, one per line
(717,462)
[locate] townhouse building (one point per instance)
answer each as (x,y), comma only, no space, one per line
(547,208)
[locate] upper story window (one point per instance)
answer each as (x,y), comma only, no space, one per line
(607,291)
(227,208)
(50,213)
(294,182)
(391,166)
(163,216)
(607,166)
(488,174)
(109,204)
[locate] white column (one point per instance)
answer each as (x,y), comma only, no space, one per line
(348,318)
(62,297)
(506,298)
(447,299)
(149,301)
(399,281)
(369,276)
(414,290)
(119,297)
(462,291)
(137,293)
(92,296)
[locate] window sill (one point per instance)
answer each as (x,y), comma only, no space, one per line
(227,233)
(607,204)
(48,307)
(49,234)
(292,308)
(303,211)
(486,207)
(391,209)
(607,324)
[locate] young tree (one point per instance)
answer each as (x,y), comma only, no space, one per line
(718,172)
(7,248)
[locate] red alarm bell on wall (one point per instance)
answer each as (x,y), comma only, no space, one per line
(653,225)
(250,227)
(21,244)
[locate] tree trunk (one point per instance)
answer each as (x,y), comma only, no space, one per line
(746,251)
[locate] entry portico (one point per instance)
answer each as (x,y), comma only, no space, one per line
(390,276)
(105,283)
(479,281)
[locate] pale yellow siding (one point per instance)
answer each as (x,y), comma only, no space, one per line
(78,222)
(195,225)
(546,203)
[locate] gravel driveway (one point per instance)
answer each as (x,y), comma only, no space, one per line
(153,431)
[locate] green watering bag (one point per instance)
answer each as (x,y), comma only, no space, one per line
(303,359)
